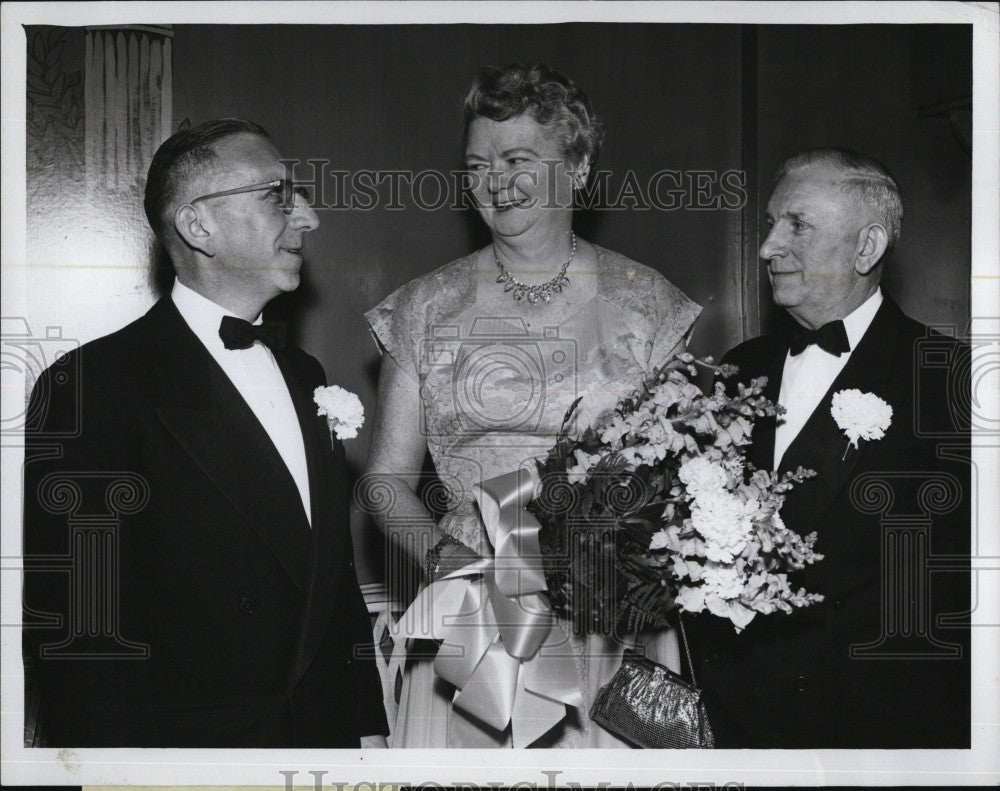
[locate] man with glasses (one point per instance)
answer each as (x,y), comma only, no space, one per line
(226,611)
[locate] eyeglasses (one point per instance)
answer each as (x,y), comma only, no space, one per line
(284,189)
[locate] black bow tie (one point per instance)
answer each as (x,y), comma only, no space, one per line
(831,337)
(239,334)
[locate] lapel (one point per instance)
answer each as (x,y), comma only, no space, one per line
(821,444)
(330,518)
(762,449)
(205,413)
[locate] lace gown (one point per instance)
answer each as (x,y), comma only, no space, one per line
(494,396)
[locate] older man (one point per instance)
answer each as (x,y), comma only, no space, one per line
(883,661)
(199,508)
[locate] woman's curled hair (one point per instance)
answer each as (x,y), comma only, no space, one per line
(554,101)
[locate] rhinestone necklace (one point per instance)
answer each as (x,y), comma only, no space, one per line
(533,293)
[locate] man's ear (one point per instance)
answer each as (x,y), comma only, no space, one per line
(189,226)
(872,243)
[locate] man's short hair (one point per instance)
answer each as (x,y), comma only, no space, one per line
(865,178)
(181,156)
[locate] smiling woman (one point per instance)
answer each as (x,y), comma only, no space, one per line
(483,358)
(514,164)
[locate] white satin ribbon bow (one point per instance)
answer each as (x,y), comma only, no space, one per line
(501,647)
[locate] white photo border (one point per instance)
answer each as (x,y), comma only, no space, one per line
(542,769)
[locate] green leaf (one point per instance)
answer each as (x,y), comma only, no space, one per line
(569,412)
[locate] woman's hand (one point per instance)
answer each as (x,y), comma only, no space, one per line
(448,555)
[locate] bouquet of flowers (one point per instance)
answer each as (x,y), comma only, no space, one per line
(658,509)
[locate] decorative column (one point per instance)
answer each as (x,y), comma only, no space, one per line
(128,98)
(93,627)
(906,613)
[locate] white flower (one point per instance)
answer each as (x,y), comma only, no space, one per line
(344,411)
(691,599)
(861,415)
(735,611)
(630,456)
(725,521)
(691,569)
(614,431)
(723,581)
(700,474)
(666,394)
(674,391)
(584,461)
(734,465)
(660,540)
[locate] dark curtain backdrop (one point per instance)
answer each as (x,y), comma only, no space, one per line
(902,93)
(690,98)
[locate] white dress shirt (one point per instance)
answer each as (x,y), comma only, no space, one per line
(806,377)
(256,375)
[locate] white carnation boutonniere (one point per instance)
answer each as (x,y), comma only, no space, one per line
(860,416)
(344,412)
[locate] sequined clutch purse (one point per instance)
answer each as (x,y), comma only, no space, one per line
(650,706)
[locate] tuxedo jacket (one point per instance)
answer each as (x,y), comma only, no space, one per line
(883,661)
(175,594)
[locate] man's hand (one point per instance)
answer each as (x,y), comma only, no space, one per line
(376,742)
